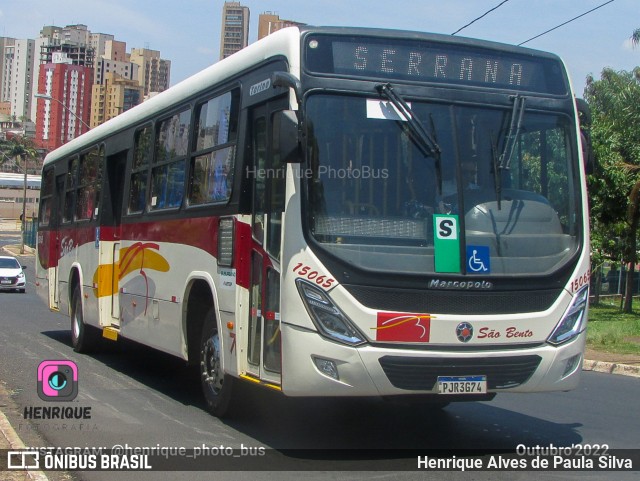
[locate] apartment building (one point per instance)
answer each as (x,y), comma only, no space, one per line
(66,115)
(115,95)
(154,73)
(234,34)
(269,22)
(18,66)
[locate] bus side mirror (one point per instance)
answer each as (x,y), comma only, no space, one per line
(584,119)
(286,137)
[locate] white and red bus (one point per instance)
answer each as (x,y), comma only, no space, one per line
(335,212)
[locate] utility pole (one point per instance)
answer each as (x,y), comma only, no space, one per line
(24,193)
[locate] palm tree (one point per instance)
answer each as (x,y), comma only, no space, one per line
(18,148)
(21,148)
(635,37)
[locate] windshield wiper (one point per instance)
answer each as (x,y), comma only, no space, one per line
(425,142)
(517,113)
(496,170)
(503,162)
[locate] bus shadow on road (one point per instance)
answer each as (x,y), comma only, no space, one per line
(313,427)
(156,370)
(373,423)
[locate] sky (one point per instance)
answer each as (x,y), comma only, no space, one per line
(187,32)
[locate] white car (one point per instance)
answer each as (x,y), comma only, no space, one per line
(11,274)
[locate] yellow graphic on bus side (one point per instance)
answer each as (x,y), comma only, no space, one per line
(138,257)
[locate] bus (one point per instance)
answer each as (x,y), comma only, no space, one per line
(335,212)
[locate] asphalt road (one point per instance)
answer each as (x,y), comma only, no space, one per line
(142,398)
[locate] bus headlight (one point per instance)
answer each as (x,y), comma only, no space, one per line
(330,321)
(574,320)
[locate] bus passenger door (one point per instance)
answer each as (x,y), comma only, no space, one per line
(264,354)
(55,253)
(110,235)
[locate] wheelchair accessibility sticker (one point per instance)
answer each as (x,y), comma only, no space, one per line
(478,260)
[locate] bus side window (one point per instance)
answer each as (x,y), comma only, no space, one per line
(70,191)
(88,192)
(214,152)
(140,170)
(276,203)
(167,174)
(259,186)
(46,196)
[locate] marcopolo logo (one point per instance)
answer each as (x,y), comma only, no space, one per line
(57,380)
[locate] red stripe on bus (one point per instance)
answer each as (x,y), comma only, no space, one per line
(243,254)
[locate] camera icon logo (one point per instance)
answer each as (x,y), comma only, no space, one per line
(57,380)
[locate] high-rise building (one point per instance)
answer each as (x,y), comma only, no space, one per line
(115,95)
(72,41)
(116,86)
(17,77)
(76,35)
(66,71)
(64,63)
(5,67)
(235,28)
(114,60)
(154,73)
(67,114)
(269,22)
(98,42)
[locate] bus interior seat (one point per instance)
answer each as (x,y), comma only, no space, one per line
(517,227)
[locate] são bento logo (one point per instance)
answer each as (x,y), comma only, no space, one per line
(464,332)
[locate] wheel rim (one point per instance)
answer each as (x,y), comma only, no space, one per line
(211,366)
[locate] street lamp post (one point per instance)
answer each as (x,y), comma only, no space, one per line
(49,97)
(24,195)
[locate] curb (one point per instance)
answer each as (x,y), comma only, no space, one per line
(14,442)
(15,250)
(611,368)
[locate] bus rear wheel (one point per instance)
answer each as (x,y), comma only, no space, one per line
(216,385)
(83,338)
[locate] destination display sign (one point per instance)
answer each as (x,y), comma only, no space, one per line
(434,62)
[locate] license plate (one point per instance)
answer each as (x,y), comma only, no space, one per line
(5,282)
(462,384)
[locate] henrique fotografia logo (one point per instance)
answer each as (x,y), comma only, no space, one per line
(57,380)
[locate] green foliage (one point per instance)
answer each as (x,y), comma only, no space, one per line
(611,330)
(615,106)
(18,147)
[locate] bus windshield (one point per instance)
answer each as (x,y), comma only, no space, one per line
(506,176)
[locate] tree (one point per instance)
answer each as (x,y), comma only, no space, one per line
(22,149)
(635,37)
(17,147)
(615,189)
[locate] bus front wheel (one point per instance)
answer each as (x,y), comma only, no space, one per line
(83,338)
(216,385)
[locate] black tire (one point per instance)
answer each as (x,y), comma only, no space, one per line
(217,386)
(83,338)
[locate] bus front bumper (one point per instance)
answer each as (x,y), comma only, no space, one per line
(315,366)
